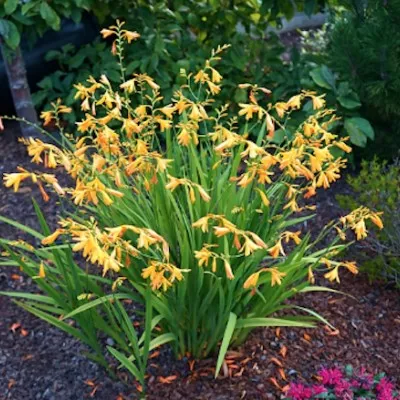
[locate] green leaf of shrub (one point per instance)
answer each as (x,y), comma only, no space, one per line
(359,129)
(10,6)
(50,16)
(10,33)
(323,77)
(350,101)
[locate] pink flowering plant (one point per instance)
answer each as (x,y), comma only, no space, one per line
(334,383)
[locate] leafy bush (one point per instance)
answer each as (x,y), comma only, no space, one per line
(378,184)
(184,214)
(333,383)
(35,17)
(175,37)
(364,49)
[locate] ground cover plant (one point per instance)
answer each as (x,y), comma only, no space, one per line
(192,224)
(335,383)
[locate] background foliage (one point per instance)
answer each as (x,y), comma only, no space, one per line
(33,18)
(364,48)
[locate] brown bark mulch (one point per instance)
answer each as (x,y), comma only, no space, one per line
(40,362)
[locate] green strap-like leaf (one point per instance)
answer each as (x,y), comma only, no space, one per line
(259,322)
(130,366)
(230,328)
(97,302)
(30,296)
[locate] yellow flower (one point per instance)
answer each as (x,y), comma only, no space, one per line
(295,236)
(202,223)
(203,256)
(15,179)
(360,230)
(315,163)
(164,124)
(251,281)
(161,274)
(195,114)
(53,237)
(216,77)
(107,32)
(47,116)
(350,266)
(130,127)
(174,183)
(318,101)
(51,161)
(249,246)
(141,111)
(129,35)
(264,197)
(220,231)
(201,76)
(276,276)
(281,108)
(310,275)
(106,99)
(145,240)
(214,89)
(341,234)
(274,251)
(323,180)
(203,194)
(98,162)
(343,146)
(294,102)
(42,272)
(129,86)
(52,180)
(252,150)
(376,220)
(168,110)
(228,270)
(86,124)
(249,109)
(184,137)
(333,275)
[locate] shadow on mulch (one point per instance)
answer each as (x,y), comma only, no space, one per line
(40,362)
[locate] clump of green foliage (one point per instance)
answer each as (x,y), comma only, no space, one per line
(378,185)
(177,35)
(34,18)
(365,49)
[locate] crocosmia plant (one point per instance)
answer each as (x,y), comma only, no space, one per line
(334,383)
(187,212)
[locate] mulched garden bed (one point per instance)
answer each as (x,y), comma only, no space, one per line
(40,362)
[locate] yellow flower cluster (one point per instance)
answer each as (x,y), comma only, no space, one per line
(14,180)
(133,146)
(108,249)
(356,222)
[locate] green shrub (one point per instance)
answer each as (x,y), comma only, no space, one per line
(365,50)
(378,185)
(33,18)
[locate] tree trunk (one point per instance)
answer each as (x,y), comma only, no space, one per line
(18,83)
